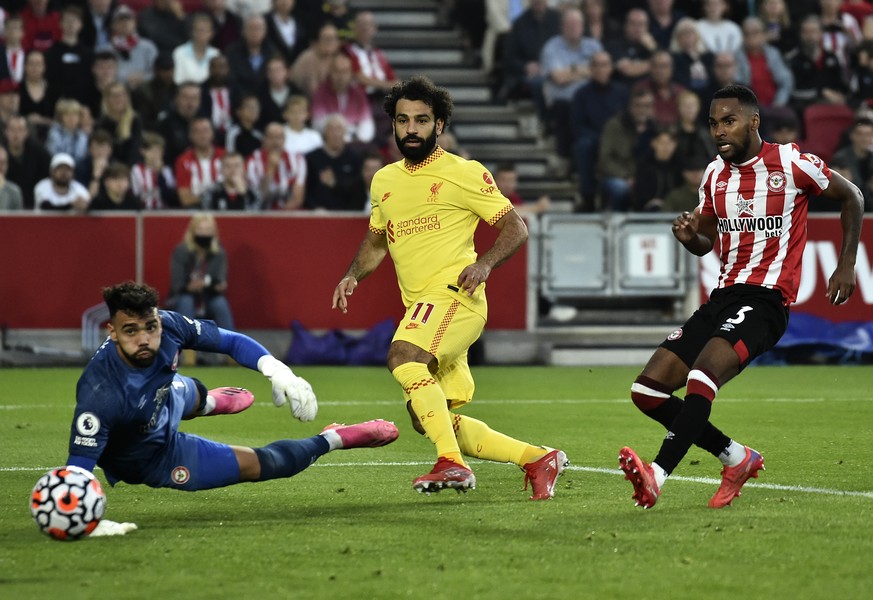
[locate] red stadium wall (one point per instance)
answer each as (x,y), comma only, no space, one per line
(282,267)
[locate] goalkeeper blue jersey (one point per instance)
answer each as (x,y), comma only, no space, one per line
(123,413)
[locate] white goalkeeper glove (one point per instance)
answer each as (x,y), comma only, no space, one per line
(288,386)
(106,528)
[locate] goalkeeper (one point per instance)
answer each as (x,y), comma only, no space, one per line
(130,401)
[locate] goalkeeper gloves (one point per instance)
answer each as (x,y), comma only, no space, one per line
(288,386)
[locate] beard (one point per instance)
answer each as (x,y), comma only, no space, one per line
(416,154)
(143,358)
(739,154)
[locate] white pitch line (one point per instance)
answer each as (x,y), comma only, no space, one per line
(599,470)
(510,401)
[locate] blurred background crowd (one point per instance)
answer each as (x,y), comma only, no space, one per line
(263,105)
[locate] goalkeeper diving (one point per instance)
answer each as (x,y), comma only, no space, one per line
(130,401)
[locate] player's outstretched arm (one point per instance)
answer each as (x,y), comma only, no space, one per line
(842,281)
(513,234)
(370,254)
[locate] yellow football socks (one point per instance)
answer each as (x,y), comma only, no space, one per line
(429,403)
(478,440)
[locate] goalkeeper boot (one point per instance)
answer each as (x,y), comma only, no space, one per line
(230,400)
(369,434)
(733,478)
(641,475)
(446,473)
(543,473)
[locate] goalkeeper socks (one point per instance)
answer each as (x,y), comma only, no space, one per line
(691,421)
(478,440)
(288,457)
(656,401)
(428,401)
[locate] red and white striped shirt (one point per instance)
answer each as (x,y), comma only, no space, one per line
(198,174)
(221,113)
(146,185)
(371,62)
(290,172)
(15,62)
(761,209)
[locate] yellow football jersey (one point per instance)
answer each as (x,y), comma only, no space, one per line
(429,213)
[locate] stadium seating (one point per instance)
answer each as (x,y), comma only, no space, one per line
(824,125)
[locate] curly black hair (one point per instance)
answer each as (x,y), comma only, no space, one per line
(420,88)
(137,299)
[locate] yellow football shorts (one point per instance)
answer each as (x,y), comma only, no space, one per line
(439,323)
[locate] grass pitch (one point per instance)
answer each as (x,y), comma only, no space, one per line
(352,527)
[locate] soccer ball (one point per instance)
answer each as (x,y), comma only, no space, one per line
(67,503)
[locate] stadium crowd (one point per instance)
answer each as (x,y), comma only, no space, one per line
(276,104)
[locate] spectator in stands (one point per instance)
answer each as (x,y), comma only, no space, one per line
(778,31)
(191,59)
(338,14)
(692,62)
(9,104)
(761,66)
(216,99)
(371,162)
(115,193)
(624,140)
(506,180)
(818,75)
(278,177)
(299,138)
(151,180)
(96,23)
(10,194)
(37,95)
(523,76)
(718,32)
(175,123)
(68,61)
(862,77)
(724,73)
(285,31)
(232,192)
(597,24)
(244,136)
(226,24)
(592,106)
(313,65)
(664,89)
(199,167)
(89,172)
(565,66)
(692,137)
(198,273)
(498,20)
(686,195)
(632,51)
(156,96)
(859,9)
(11,50)
(59,191)
(657,173)
(104,71)
(135,55)
(785,129)
(334,170)
(371,67)
(341,94)
(120,120)
(858,158)
(663,18)
(246,8)
(28,159)
(42,25)
(842,32)
(66,133)
(164,24)
(248,56)
(275,91)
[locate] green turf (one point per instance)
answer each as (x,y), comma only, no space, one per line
(352,527)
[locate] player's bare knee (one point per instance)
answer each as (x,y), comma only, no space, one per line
(416,424)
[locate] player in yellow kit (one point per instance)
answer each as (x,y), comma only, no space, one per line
(425,210)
